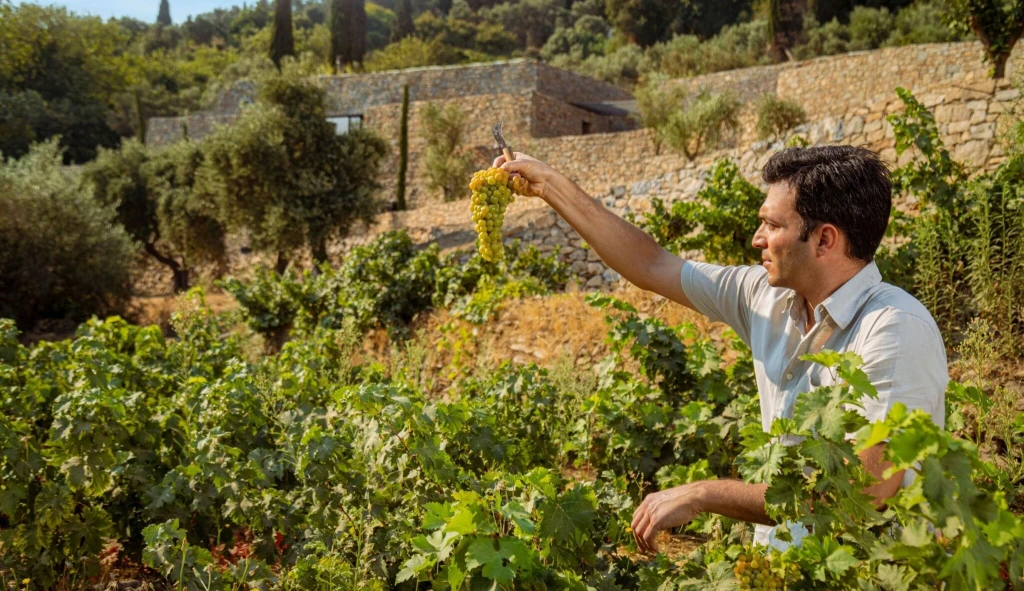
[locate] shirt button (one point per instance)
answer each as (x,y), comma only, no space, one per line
(789,376)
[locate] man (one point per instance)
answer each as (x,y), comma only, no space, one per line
(824,216)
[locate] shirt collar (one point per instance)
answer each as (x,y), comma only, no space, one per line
(843,304)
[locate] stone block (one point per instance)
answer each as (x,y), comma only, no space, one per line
(611,276)
(977,105)
(977,117)
(855,125)
(973,152)
(1007,95)
(595,268)
(546,221)
(984,131)
(959,113)
(873,126)
(579,255)
(958,127)
(568,250)
(595,281)
(931,100)
(578,267)
(592,256)
(942,114)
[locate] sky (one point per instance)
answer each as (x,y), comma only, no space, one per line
(144,10)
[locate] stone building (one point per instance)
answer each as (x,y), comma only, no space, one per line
(533,99)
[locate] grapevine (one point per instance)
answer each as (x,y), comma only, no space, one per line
(492,192)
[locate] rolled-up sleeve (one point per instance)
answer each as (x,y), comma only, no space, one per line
(724,294)
(906,361)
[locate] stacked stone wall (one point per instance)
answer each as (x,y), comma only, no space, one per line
(552,117)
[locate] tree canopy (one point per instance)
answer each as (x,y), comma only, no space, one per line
(283,174)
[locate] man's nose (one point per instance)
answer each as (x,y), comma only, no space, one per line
(758,240)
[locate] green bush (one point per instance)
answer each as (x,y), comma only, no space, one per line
(828,39)
(720,222)
(967,223)
(623,66)
(921,22)
(412,52)
(587,37)
(446,165)
(386,284)
(775,116)
(701,124)
(656,101)
(870,28)
(737,46)
(62,255)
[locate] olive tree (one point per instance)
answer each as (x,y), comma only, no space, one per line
(282,174)
(997,24)
(152,195)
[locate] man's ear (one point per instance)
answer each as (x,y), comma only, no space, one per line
(829,239)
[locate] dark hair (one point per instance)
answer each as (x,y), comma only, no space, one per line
(845,186)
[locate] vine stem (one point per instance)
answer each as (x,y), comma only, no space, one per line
(181,570)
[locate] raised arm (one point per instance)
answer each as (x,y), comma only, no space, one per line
(621,245)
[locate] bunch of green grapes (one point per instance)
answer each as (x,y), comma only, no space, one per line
(492,192)
(754,571)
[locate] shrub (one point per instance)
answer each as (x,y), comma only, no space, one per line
(446,165)
(701,124)
(411,52)
(736,46)
(587,37)
(775,116)
(720,223)
(869,27)
(921,22)
(829,39)
(656,101)
(62,255)
(971,224)
(623,66)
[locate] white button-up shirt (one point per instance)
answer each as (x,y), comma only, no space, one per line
(893,332)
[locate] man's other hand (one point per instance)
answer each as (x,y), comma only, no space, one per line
(674,507)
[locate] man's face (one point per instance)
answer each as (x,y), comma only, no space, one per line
(788,259)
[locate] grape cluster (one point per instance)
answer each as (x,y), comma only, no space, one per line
(492,192)
(754,571)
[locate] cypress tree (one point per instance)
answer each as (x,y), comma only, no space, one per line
(140,116)
(283,42)
(336,23)
(785,24)
(348,32)
(358,29)
(164,17)
(404,27)
(403,147)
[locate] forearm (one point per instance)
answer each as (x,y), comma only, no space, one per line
(621,245)
(735,499)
